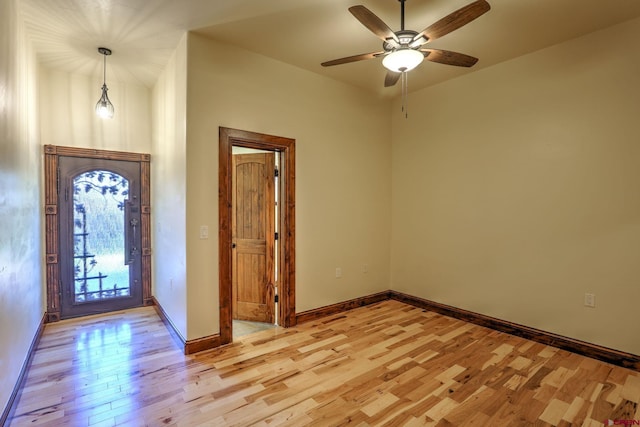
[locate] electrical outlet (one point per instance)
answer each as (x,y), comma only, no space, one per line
(590,300)
(338,272)
(204,232)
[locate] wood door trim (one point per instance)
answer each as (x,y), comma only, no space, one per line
(51,159)
(227,139)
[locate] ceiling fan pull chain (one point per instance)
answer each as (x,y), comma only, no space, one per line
(405,86)
(402,89)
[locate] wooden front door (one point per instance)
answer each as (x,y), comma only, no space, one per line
(253,234)
(100,235)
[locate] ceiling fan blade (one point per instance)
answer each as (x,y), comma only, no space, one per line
(353,58)
(373,23)
(449,58)
(455,20)
(391,78)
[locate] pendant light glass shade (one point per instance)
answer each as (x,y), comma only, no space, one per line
(402,60)
(104,107)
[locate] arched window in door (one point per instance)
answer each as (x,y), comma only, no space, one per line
(101,259)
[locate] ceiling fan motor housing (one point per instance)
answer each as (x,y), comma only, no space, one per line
(405,37)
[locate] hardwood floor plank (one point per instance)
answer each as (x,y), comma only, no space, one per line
(387,364)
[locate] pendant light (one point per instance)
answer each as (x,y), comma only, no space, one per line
(104,107)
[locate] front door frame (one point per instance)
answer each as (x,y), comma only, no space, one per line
(51,155)
(227,139)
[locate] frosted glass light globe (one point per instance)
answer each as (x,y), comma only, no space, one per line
(402,60)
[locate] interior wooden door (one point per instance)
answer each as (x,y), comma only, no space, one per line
(253,232)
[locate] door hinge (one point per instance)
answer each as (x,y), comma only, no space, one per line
(276,298)
(276,172)
(276,236)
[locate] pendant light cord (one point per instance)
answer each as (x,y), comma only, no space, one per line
(104,70)
(105,52)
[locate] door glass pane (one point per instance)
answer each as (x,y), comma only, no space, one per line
(100,265)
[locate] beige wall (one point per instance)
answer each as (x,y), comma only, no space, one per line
(342,173)
(515,190)
(21,290)
(511,191)
(168,189)
(67,104)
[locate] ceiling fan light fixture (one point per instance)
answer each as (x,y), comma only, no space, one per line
(104,107)
(402,60)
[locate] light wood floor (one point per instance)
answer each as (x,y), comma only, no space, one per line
(388,364)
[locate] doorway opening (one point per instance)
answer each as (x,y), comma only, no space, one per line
(254,233)
(257,231)
(98,231)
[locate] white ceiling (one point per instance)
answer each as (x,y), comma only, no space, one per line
(304,33)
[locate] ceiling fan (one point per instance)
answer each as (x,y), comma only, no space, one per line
(403,50)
